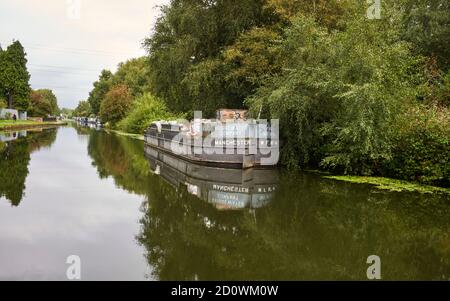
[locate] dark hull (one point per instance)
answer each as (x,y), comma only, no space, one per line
(225,188)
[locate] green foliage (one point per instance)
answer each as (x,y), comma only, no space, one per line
(391,184)
(426,24)
(145,110)
(325,12)
(101,87)
(135,74)
(116,104)
(436,90)
(40,107)
(185,52)
(43,103)
(251,60)
(340,84)
(206,89)
(67,112)
(339,93)
(14,76)
(83,109)
(422,147)
(443,90)
(3,104)
(207,55)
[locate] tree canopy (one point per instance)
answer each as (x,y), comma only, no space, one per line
(83,109)
(351,92)
(133,73)
(185,52)
(14,76)
(43,103)
(116,104)
(101,87)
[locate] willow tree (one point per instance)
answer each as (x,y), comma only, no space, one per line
(340,92)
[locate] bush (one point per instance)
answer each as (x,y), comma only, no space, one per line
(3,104)
(116,104)
(422,147)
(144,111)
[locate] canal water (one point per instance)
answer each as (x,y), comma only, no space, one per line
(131,213)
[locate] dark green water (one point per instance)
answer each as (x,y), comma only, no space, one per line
(131,216)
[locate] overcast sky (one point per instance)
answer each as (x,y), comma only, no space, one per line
(67,48)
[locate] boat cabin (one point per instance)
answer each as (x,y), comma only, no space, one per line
(229,114)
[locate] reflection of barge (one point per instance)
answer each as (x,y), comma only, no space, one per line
(229,141)
(226,188)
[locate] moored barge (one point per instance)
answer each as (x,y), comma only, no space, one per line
(231,140)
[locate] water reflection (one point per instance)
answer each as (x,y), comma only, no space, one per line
(225,188)
(200,223)
(11,136)
(311,229)
(15,150)
(122,159)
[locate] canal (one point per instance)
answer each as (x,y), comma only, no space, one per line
(131,213)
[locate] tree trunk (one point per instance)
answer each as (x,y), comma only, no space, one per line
(10,101)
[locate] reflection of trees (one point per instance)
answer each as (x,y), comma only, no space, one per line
(326,233)
(313,229)
(14,160)
(43,139)
(122,158)
(82,130)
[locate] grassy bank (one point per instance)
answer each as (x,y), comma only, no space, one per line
(391,184)
(133,136)
(23,124)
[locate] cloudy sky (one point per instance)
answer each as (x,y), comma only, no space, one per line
(67,46)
